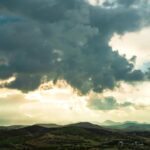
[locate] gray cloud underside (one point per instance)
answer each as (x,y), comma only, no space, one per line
(108,103)
(67,39)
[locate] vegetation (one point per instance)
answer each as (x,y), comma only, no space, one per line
(83,136)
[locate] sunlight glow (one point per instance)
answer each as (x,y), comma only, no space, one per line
(7,81)
(133,44)
(95,2)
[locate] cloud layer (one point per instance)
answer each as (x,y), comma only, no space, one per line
(107,103)
(67,40)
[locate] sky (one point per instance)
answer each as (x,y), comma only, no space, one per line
(66,61)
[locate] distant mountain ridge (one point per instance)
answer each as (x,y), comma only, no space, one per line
(52,125)
(86,125)
(12,127)
(128,125)
(108,124)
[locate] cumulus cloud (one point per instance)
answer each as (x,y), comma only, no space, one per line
(134,44)
(107,103)
(67,40)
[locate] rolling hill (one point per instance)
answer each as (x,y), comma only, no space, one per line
(79,136)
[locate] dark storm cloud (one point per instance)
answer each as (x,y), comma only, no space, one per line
(67,39)
(108,103)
